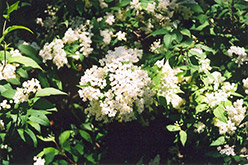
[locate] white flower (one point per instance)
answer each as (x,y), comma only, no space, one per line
(106,34)
(110,19)
(227,150)
(5,105)
(7,72)
(129,87)
(121,36)
(199,127)
(156,45)
(39,161)
(240,52)
(151,7)
(245,85)
(168,87)
(29,87)
(70,36)
(205,65)
(103,4)
(15,52)
(135,4)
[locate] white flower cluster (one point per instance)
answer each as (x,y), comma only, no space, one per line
(103,4)
(227,150)
(156,46)
(15,52)
(50,21)
(236,113)
(39,161)
(107,35)
(110,18)
(114,89)
(7,72)
(135,4)
(29,87)
(169,84)
(82,34)
(55,50)
(245,85)
(221,90)
(205,65)
(241,55)
(4,104)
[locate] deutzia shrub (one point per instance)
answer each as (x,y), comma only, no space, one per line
(168,84)
(118,89)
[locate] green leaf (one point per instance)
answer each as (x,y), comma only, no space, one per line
(50,153)
(201,27)
(219,112)
(49,138)
(41,119)
(48,92)
(35,125)
(30,52)
(173,128)
(21,133)
(167,40)
(64,136)
(85,135)
(220,141)
(236,94)
(186,32)
(80,148)
(26,61)
(32,136)
(158,32)
(23,73)
(12,8)
(196,8)
(201,107)
(9,93)
(15,27)
(183,137)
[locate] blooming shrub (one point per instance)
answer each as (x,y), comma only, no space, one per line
(124,81)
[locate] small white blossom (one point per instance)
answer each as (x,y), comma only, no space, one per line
(29,87)
(107,35)
(110,19)
(240,57)
(151,7)
(121,36)
(156,46)
(227,150)
(39,161)
(135,4)
(7,72)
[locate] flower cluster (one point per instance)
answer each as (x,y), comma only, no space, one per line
(227,150)
(55,50)
(241,56)
(39,161)
(236,113)
(169,82)
(245,85)
(29,87)
(118,88)
(7,72)
(220,90)
(4,104)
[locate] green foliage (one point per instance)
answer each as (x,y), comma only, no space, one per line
(194,52)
